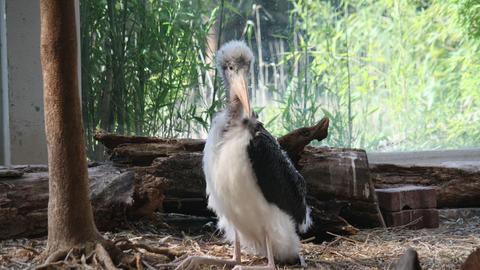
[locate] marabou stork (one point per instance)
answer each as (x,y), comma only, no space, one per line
(252,186)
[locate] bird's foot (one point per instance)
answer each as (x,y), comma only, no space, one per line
(302,262)
(194,262)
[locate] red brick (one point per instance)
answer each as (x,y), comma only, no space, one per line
(406,197)
(429,218)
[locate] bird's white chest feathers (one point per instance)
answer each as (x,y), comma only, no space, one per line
(230,181)
(236,198)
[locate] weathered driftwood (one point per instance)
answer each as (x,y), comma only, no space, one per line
(137,150)
(294,142)
(342,177)
(339,177)
(168,174)
(186,195)
(455,187)
(114,193)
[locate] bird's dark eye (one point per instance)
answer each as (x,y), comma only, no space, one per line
(230,67)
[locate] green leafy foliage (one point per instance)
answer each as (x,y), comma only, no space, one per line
(469,14)
(404,69)
(144,68)
(390,75)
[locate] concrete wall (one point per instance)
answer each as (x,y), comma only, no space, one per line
(25,84)
(3,83)
(465,158)
(22,140)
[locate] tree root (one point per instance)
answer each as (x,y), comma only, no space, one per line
(104,257)
(138,261)
(100,253)
(56,256)
(107,255)
(170,253)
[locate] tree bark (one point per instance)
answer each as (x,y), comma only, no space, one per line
(339,177)
(455,187)
(173,184)
(294,142)
(116,196)
(168,174)
(139,150)
(70,217)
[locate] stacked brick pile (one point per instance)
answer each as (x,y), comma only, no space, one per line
(414,206)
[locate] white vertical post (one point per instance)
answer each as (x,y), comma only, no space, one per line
(79,49)
(5,120)
(22,136)
(25,83)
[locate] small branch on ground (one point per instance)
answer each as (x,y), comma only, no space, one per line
(170,253)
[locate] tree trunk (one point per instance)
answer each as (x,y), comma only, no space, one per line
(70,217)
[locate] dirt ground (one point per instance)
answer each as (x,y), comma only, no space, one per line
(443,248)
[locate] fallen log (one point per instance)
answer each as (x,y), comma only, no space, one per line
(111,140)
(168,176)
(137,150)
(455,187)
(115,194)
(185,194)
(173,183)
(340,176)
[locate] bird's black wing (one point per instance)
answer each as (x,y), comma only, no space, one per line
(279,181)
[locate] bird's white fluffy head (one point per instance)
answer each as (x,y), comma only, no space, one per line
(235,53)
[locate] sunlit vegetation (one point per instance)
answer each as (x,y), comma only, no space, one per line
(143,67)
(391,75)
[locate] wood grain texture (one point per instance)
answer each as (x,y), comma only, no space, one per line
(115,195)
(455,187)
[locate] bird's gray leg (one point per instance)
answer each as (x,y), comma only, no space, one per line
(194,262)
(271,261)
(237,252)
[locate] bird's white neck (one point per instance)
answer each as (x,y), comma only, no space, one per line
(235,110)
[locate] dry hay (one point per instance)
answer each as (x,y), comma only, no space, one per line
(442,248)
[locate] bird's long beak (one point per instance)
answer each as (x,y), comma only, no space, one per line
(243,96)
(240,90)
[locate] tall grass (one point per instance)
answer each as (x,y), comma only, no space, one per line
(144,67)
(391,75)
